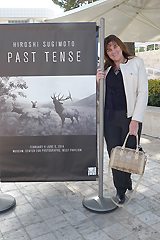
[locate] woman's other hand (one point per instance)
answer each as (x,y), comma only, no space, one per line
(133,127)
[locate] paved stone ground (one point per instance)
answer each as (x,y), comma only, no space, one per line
(54,211)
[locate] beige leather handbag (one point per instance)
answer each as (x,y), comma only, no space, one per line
(127,159)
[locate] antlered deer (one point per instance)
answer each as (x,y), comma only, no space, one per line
(34,104)
(64,112)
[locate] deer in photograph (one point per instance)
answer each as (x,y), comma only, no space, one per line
(62,111)
(34,104)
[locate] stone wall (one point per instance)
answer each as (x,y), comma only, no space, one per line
(151,124)
(151,58)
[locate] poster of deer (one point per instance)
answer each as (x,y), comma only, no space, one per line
(48,102)
(59,107)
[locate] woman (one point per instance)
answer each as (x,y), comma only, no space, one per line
(126,97)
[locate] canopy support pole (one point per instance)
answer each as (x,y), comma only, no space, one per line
(6,201)
(99,203)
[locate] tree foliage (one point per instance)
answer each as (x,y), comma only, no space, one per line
(71,4)
(154,92)
(9,91)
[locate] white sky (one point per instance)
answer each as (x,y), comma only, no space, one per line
(42,4)
(41,88)
(27,3)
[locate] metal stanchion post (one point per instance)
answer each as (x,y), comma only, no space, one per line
(100,203)
(6,202)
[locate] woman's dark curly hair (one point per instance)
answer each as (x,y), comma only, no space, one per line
(112,38)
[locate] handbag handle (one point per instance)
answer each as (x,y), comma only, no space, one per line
(125,141)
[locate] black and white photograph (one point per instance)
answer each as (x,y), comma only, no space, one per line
(53,105)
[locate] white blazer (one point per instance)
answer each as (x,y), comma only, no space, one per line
(136,87)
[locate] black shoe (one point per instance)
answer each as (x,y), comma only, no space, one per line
(120,198)
(129,185)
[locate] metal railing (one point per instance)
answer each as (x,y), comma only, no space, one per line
(153,73)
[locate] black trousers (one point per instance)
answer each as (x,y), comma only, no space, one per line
(115,131)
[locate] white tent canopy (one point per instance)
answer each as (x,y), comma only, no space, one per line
(28,9)
(131,20)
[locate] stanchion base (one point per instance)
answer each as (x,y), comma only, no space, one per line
(6,202)
(99,205)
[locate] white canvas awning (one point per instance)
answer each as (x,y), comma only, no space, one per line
(28,9)
(131,20)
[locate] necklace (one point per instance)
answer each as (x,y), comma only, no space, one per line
(117,70)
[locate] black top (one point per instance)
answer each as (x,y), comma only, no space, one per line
(115,99)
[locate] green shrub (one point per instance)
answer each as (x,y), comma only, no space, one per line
(154,92)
